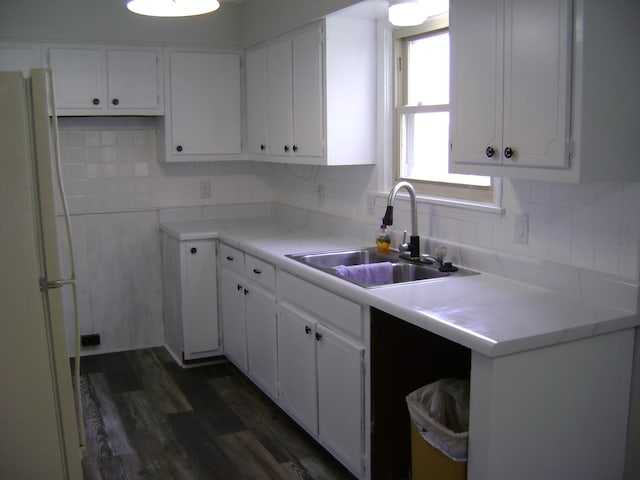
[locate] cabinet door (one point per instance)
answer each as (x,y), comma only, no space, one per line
(78,78)
(260,308)
(341,395)
(476,80)
(536,82)
(200,319)
(234,330)
(133,79)
(280,103)
(205,104)
(308,133)
(297,366)
(510,92)
(256,72)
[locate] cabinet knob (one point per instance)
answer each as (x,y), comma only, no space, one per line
(508,152)
(307,330)
(256,271)
(239,287)
(295,148)
(193,250)
(262,147)
(286,148)
(246,291)
(489,152)
(179,148)
(318,336)
(230,258)
(115,101)
(96,101)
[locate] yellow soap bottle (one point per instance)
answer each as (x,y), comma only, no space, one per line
(383,239)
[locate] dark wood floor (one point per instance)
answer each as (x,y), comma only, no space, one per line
(146,418)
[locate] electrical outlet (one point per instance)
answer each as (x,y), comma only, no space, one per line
(205,189)
(521,228)
(90,340)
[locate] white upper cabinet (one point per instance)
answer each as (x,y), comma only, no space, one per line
(528,82)
(133,78)
(107,81)
(510,90)
(311,95)
(203,106)
(257,95)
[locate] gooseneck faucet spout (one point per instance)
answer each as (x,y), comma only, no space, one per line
(414,243)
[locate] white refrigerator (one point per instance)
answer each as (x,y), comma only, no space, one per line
(40,418)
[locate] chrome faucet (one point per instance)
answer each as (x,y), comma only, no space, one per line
(413,247)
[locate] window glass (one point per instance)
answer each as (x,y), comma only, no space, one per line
(428,70)
(422,117)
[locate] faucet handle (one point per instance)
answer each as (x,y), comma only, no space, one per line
(404,246)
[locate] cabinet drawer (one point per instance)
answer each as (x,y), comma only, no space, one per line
(231,258)
(334,309)
(260,272)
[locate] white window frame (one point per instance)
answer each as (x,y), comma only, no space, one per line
(436,192)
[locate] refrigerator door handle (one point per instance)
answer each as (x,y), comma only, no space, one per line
(45,285)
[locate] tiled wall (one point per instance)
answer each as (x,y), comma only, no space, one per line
(592,226)
(115,186)
(110,164)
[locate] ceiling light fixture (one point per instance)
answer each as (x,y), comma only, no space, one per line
(404,13)
(172,8)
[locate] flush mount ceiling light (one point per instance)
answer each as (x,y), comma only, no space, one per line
(172,8)
(403,13)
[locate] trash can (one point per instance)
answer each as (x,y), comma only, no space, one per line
(439,430)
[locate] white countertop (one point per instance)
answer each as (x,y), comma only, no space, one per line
(486,313)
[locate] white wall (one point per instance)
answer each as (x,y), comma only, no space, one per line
(263,19)
(110,21)
(115,186)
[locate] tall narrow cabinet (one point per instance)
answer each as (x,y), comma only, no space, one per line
(190,305)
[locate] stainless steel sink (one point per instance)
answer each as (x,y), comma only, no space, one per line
(403,270)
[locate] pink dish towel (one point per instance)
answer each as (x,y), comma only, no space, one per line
(370,273)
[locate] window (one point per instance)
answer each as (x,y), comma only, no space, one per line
(422,115)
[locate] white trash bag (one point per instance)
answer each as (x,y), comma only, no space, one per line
(440,412)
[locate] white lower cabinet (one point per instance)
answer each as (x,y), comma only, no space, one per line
(190,307)
(248,307)
(302,345)
(298,391)
(260,308)
(340,364)
(322,383)
(234,327)
(321,368)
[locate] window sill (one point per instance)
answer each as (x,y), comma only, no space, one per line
(380,198)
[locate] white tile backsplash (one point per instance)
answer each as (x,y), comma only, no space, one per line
(116,159)
(111,165)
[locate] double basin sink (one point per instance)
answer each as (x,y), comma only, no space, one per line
(400,270)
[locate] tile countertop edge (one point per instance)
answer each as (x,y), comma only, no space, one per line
(271,242)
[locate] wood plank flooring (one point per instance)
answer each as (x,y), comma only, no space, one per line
(146,418)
